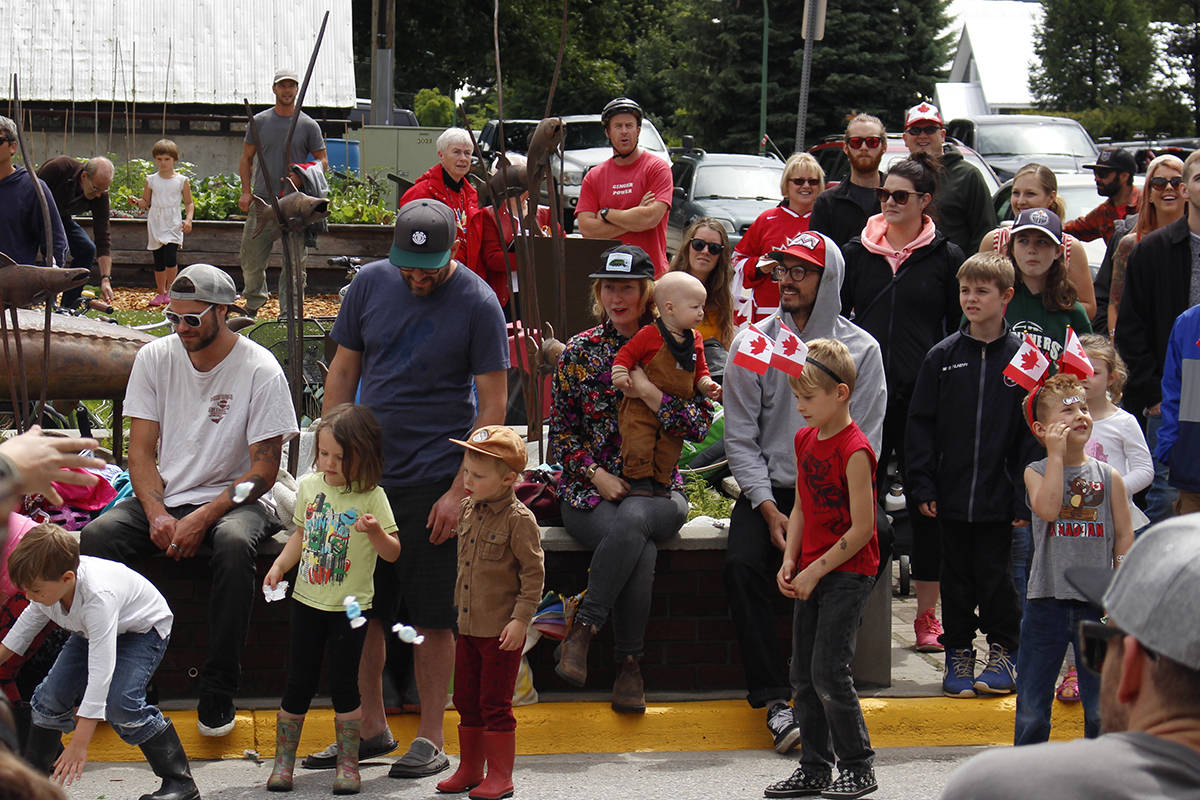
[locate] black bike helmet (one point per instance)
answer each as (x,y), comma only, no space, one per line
(620,105)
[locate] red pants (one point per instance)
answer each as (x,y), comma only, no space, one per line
(484,679)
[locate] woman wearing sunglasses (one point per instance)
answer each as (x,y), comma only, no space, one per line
(1162,203)
(706,256)
(755,294)
(901,287)
(1035,186)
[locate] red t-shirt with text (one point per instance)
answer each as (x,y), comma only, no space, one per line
(824,496)
(612,185)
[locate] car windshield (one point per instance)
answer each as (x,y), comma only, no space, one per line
(585,135)
(1016,138)
(1079,200)
(738,182)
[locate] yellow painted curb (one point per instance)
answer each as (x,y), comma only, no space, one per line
(665,727)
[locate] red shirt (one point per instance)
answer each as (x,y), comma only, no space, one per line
(1100,221)
(771,231)
(485,255)
(824,496)
(433,185)
(612,185)
(646,343)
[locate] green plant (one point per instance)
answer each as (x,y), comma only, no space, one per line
(129,182)
(703,500)
(216,196)
(359,200)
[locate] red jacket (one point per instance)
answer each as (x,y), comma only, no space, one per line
(485,255)
(433,185)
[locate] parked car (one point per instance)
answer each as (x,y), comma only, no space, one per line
(584,146)
(361,114)
(733,189)
(1146,150)
(1010,141)
(837,167)
(1078,191)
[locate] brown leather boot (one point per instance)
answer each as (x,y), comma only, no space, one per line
(629,693)
(573,652)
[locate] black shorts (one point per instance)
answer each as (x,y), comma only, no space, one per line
(421,581)
(165,257)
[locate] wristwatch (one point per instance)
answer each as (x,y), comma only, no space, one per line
(604,216)
(590,472)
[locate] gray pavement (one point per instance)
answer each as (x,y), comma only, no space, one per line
(904,774)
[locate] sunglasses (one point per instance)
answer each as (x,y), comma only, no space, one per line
(797,273)
(1160,182)
(802,181)
(900,195)
(856,142)
(1103,173)
(923,130)
(714,248)
(191,320)
(1093,644)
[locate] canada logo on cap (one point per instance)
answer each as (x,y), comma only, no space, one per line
(922,112)
(807,246)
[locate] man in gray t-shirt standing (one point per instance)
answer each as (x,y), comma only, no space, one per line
(272,127)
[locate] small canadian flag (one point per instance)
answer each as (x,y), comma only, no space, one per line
(754,353)
(1074,358)
(789,352)
(1028,366)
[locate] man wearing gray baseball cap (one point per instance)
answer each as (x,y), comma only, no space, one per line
(1147,653)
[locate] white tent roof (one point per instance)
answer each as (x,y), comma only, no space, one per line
(197,51)
(996,50)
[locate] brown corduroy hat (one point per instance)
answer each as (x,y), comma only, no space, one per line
(498,441)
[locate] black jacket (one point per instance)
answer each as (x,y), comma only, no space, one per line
(838,216)
(967,443)
(908,312)
(1157,286)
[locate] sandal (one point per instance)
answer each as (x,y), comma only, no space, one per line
(1068,689)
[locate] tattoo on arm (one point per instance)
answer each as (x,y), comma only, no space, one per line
(270,450)
(842,543)
(1120,264)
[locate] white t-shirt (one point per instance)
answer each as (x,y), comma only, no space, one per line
(110,599)
(208,420)
(1118,441)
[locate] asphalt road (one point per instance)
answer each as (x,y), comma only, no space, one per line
(914,773)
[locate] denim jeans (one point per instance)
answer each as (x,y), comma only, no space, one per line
(824,633)
(1047,627)
(1161,496)
(123,534)
(83,255)
(623,539)
(56,697)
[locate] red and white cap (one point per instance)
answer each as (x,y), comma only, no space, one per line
(807,246)
(923,112)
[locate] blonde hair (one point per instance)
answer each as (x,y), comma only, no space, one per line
(165,147)
(645,298)
(1147,221)
(834,356)
(1100,348)
(800,162)
(45,553)
(1049,183)
(990,267)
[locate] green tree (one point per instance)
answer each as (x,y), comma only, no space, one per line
(1092,53)
(1182,45)
(433,108)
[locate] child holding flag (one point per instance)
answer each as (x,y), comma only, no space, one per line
(966,447)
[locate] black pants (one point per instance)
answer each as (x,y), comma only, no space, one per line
(924,552)
(313,632)
(165,256)
(123,534)
(751,563)
(977,573)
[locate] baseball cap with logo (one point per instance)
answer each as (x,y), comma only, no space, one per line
(498,441)
(1114,158)
(923,112)
(625,261)
(807,246)
(424,236)
(1154,596)
(286,74)
(1039,219)
(203,283)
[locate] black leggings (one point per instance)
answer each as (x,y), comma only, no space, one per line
(312,630)
(165,257)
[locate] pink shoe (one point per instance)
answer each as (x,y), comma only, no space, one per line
(160,299)
(928,630)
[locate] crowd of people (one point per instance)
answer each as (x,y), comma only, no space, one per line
(911,304)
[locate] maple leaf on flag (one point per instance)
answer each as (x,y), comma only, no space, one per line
(789,347)
(758,345)
(1029,360)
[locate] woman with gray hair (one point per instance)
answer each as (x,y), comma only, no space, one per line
(447,181)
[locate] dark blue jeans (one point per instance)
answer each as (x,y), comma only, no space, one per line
(824,633)
(1047,627)
(1161,496)
(56,697)
(83,255)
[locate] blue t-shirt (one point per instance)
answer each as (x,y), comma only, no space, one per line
(419,357)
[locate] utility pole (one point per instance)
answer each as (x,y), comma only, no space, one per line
(762,97)
(383,58)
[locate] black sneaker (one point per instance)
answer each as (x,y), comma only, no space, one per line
(215,714)
(852,783)
(805,782)
(783,726)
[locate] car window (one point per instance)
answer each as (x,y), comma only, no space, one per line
(737,182)
(989,178)
(1015,138)
(681,173)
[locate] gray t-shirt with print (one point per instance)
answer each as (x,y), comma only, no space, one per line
(272,131)
(1082,535)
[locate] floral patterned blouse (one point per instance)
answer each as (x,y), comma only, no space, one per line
(583,416)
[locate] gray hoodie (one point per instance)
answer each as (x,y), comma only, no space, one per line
(761,419)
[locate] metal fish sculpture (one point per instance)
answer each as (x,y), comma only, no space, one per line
(299,210)
(546,141)
(24,285)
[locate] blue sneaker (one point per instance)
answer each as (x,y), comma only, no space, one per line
(998,677)
(959,680)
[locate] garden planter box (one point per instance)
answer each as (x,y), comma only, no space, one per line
(219,243)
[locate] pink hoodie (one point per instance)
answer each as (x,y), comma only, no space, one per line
(875,240)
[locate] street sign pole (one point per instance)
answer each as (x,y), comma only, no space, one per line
(813,30)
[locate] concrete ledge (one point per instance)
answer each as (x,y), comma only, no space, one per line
(698,534)
(574,727)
